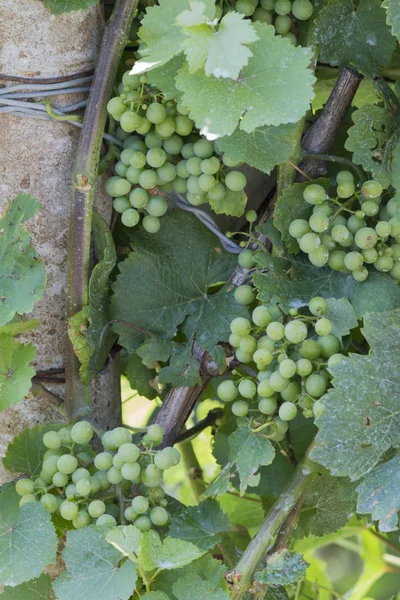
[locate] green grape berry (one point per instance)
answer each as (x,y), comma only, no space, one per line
(244,295)
(159,516)
(314,194)
(82,432)
(287,411)
(24,487)
(295,331)
(240,408)
(276,331)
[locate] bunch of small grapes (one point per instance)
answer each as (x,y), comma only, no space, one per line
(84,490)
(283,14)
(291,360)
(164,155)
(352,230)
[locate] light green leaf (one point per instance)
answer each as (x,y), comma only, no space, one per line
(290,206)
(25,453)
(200,524)
(370,141)
(379,494)
(346,35)
(163,77)
(192,587)
(283,568)
(28,543)
(155,349)
(342,316)
(195,16)
(93,569)
(36,589)
(263,148)
(233,203)
(360,421)
(155,596)
(334,501)
(15,370)
(206,567)
(223,53)
(183,368)
(265,94)
(167,554)
(393,16)
(378,293)
(140,377)
(22,274)
(58,7)
(126,539)
(19,327)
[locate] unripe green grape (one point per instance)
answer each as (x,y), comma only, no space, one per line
(183,125)
(173,145)
(319,222)
(157,206)
(353,261)
(261,316)
(117,186)
(234,340)
(240,326)
(121,169)
(133,174)
(117,461)
(277,382)
(114,475)
(310,349)
(319,257)
(130,471)
(336,260)
(130,217)
(325,209)
(203,148)
(248,344)
(328,242)
(283,7)
(95,483)
(247,388)
(372,189)
(295,331)
(393,206)
(159,516)
(46,477)
(395,271)
(396,251)
(335,359)
(155,113)
(240,408)
(235,181)
(323,326)
(298,228)
(366,238)
(267,4)
(52,440)
(244,295)
(287,368)
(69,510)
(302,9)
(49,502)
(79,474)
(342,235)
(143,523)
(245,259)
(266,343)
(207,182)
(251,216)
(39,484)
(292,392)
(81,520)
(27,499)
(354,224)
(103,461)
(106,521)
(281,357)
(210,166)
(275,331)
(282,426)
(83,487)
(130,121)
(152,141)
(50,465)
(187,151)
(130,452)
(24,486)
(287,411)
(370,208)
(339,220)
(282,24)
(140,504)
(318,408)
(315,385)
(314,194)
(138,160)
(151,224)
(116,108)
(193,166)
(304,367)
(82,432)
(229,162)
(383,229)
(267,406)
(60,479)
(155,158)
(135,143)
(346,189)
(138,198)
(329,345)
(66,464)
(309,242)
(318,306)
(166,128)
(148,179)
(262,357)
(245,7)
(384,263)
(395,223)
(130,514)
(121,204)
(179,185)
(243,357)
(104,483)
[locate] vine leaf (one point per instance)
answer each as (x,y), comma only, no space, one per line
(233,203)
(379,495)
(22,274)
(247,452)
(207,568)
(162,35)
(200,524)
(36,589)
(223,53)
(192,587)
(28,542)
(393,16)
(127,539)
(360,421)
(163,77)
(183,368)
(169,553)
(370,141)
(342,316)
(290,206)
(155,349)
(58,7)
(139,377)
(93,571)
(346,35)
(263,148)
(283,568)
(15,370)
(19,327)
(263,95)
(334,502)
(156,596)
(377,294)
(26,451)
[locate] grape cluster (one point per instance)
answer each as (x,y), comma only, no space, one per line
(84,490)
(291,358)
(283,14)
(164,154)
(351,231)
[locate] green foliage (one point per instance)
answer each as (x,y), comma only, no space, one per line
(22,273)
(342,316)
(15,370)
(232,204)
(36,589)
(59,7)
(140,377)
(360,421)
(127,539)
(94,569)
(282,568)
(25,453)
(200,524)
(393,16)
(169,553)
(192,587)
(357,36)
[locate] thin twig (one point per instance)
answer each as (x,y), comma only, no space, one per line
(208,421)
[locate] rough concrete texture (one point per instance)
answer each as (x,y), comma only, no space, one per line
(36,157)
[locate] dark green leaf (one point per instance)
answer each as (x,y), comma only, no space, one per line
(140,377)
(155,349)
(25,453)
(283,568)
(342,316)
(36,589)
(15,370)
(200,524)
(192,587)
(163,77)
(207,568)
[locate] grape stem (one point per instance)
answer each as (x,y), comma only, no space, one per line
(77,395)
